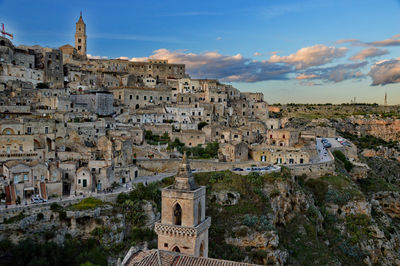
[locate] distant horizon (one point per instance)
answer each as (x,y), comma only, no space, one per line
(274,48)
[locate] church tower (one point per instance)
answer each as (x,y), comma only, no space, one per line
(184,226)
(80,37)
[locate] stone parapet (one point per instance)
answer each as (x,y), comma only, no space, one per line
(184,231)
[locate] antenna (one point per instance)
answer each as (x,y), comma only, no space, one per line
(385,103)
(4,33)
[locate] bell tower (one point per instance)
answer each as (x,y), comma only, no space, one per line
(80,37)
(184,226)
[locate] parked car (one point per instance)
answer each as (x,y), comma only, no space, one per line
(237,169)
(327,145)
(37,199)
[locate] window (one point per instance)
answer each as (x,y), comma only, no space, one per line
(79,181)
(84,183)
(16,179)
(21,147)
(165,245)
(46,130)
(29,130)
(177,214)
(137,97)
(26,177)
(79,40)
(42,177)
(145,97)
(130,97)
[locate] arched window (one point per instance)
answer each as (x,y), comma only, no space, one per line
(199,212)
(177,214)
(176,249)
(201,253)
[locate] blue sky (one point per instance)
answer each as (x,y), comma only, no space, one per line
(289,50)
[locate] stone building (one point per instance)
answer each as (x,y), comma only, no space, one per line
(184,226)
(84,181)
(191,138)
(135,98)
(234,152)
(99,102)
(278,155)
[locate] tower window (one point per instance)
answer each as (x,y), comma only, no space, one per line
(177,214)
(79,47)
(79,40)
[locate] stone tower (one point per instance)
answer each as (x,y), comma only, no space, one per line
(80,37)
(184,225)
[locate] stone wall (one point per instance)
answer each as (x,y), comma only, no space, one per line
(171,165)
(45,207)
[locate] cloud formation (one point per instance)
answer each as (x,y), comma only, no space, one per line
(223,67)
(311,56)
(305,76)
(368,53)
(89,56)
(393,41)
(385,72)
(336,73)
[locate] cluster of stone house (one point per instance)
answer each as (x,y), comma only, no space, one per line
(73,125)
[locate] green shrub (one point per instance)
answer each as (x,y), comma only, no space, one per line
(340,156)
(55,207)
(141,234)
(15,218)
(86,204)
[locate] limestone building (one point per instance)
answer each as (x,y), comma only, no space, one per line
(80,37)
(184,225)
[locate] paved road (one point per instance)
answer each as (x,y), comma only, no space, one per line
(323,154)
(123,188)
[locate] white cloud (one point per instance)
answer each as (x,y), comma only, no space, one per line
(89,56)
(305,76)
(219,38)
(368,53)
(223,67)
(385,72)
(310,56)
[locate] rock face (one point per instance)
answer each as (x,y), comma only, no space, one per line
(266,240)
(387,129)
(285,200)
(389,202)
(357,207)
(226,198)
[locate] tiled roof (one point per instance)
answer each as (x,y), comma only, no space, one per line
(166,258)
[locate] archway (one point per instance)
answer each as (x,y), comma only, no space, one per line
(201,253)
(176,249)
(48,143)
(8,131)
(177,214)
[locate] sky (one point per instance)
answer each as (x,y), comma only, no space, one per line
(298,51)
